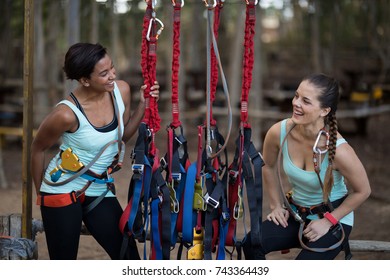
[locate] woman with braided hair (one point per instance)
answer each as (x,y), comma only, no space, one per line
(317,213)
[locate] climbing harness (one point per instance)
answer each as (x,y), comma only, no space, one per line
(69,163)
(300,213)
(148,191)
(176,161)
(245,170)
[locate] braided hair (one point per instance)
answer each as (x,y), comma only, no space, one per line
(329,98)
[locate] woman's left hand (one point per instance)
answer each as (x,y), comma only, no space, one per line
(316,229)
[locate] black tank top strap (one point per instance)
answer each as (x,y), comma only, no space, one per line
(107,128)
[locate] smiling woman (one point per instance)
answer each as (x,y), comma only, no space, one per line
(318,162)
(94,122)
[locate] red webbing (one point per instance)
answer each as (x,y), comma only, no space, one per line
(145,60)
(148,64)
(176,65)
(248,60)
(214,62)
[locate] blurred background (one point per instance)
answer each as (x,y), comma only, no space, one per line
(348,39)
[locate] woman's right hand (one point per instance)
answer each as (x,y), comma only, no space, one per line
(279,216)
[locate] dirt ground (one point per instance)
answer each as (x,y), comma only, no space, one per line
(371,221)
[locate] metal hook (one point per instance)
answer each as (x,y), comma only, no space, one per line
(318,150)
(150,28)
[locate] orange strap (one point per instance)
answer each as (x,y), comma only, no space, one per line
(59,200)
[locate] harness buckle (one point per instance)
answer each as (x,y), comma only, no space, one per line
(233,174)
(211,201)
(163,163)
(138,170)
(196,251)
(238,207)
(173,199)
(198,202)
(176,176)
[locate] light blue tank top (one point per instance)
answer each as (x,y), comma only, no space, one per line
(305,184)
(86,142)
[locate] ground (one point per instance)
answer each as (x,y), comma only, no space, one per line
(371,223)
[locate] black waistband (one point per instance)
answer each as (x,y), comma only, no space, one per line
(318,209)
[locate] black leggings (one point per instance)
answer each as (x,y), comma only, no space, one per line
(276,238)
(63,224)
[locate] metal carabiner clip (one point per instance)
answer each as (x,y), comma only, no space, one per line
(318,150)
(150,28)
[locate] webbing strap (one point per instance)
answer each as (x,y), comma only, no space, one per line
(212,48)
(248,60)
(189,216)
(176,63)
(148,64)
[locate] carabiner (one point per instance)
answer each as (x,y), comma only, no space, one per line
(318,150)
(150,28)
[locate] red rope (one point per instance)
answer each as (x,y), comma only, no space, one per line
(148,64)
(214,62)
(176,65)
(248,60)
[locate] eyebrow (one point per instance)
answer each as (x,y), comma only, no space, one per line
(105,70)
(304,97)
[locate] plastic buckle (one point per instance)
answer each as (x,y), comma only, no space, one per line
(233,174)
(176,177)
(211,201)
(163,163)
(138,169)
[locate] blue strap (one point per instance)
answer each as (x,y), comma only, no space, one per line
(189,217)
(174,216)
(97,180)
(223,229)
(141,182)
(155,229)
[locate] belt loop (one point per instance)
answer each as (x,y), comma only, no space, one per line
(73,196)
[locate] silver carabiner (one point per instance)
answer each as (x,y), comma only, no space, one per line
(318,150)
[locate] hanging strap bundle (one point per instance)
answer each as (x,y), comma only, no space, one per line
(148,192)
(205,191)
(245,170)
(175,163)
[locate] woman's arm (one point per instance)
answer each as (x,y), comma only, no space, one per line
(349,165)
(61,119)
(270,182)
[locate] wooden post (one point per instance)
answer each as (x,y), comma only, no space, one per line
(27,116)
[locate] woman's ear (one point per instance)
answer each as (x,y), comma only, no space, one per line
(325,111)
(84,82)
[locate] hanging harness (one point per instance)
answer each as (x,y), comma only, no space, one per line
(148,190)
(245,170)
(300,213)
(176,162)
(207,177)
(69,164)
